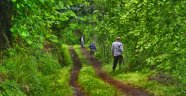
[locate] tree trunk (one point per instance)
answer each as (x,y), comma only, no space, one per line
(5,23)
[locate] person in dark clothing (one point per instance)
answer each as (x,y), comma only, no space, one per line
(117,49)
(92,48)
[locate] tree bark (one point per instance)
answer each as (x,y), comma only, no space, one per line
(5,23)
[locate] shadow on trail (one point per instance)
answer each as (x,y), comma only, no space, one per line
(126,89)
(77,65)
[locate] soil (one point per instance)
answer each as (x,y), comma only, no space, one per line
(126,89)
(77,65)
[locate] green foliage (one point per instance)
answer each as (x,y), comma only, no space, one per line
(29,25)
(10,88)
(62,85)
(36,21)
(30,62)
(21,67)
(47,64)
(33,71)
(153,33)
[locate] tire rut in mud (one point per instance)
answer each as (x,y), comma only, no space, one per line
(126,89)
(77,65)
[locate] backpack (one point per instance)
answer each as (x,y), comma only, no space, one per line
(118,48)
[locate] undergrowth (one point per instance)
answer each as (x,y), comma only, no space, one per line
(62,85)
(33,73)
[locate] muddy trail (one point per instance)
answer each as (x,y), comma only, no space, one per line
(126,89)
(77,65)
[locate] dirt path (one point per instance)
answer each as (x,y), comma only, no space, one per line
(78,90)
(126,89)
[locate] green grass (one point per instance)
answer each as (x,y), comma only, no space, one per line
(60,84)
(66,55)
(140,79)
(94,85)
(63,87)
(78,51)
(40,71)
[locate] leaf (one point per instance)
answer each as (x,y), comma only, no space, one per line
(64,18)
(23,34)
(61,4)
(13,0)
(40,46)
(42,1)
(136,1)
(18,6)
(29,41)
(13,29)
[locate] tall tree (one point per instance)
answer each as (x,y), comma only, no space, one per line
(5,23)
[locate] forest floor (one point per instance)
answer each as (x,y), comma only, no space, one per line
(126,89)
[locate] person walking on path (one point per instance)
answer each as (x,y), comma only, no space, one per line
(92,48)
(117,49)
(82,41)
